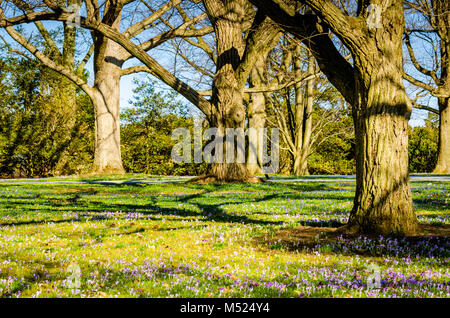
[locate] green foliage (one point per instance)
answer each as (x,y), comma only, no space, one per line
(334,152)
(336,156)
(423,146)
(46,126)
(334,149)
(146,132)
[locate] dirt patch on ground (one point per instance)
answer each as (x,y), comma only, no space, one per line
(300,237)
(308,236)
(436,230)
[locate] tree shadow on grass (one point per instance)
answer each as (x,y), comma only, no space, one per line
(432,204)
(39,222)
(207,212)
(153,206)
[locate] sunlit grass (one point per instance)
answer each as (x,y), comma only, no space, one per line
(188,240)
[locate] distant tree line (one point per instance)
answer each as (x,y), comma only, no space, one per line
(42,134)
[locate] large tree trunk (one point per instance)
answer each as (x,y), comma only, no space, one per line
(106,102)
(107,158)
(383,202)
(227,100)
(227,94)
(381,110)
(443,162)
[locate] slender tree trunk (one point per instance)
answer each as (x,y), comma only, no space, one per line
(106,102)
(299,109)
(441,19)
(303,116)
(307,124)
(68,57)
(256,118)
(443,162)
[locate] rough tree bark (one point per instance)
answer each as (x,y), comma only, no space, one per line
(227,97)
(303,116)
(443,162)
(106,100)
(381,108)
(256,111)
(442,22)
(236,56)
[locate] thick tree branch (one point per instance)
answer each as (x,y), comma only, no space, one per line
(263,36)
(346,27)
(179,32)
(135,69)
(48,62)
(198,68)
(420,84)
(308,30)
(424,107)
(159,71)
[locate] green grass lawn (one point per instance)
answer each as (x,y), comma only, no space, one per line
(187,240)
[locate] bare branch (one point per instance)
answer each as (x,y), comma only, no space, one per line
(140,26)
(48,62)
(135,69)
(276,88)
(416,64)
(427,108)
(420,84)
(85,59)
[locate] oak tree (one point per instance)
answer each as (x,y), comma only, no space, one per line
(373,85)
